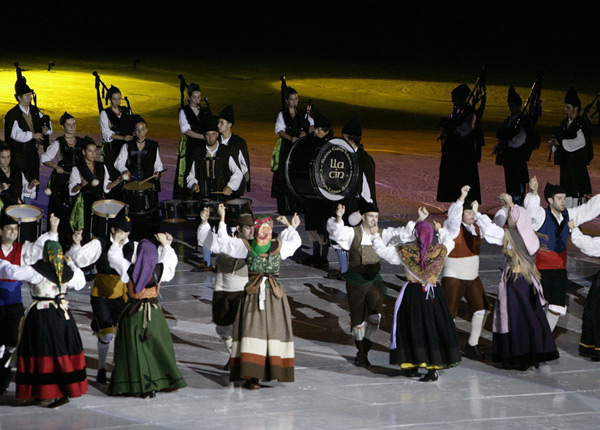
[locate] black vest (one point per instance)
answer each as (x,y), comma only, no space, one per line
(70,156)
(120,125)
(16,114)
(197,123)
(102,265)
(141,163)
(96,192)
(13,193)
(217,175)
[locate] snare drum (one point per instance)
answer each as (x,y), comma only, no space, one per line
(140,197)
(236,207)
(29,219)
(171,211)
(192,208)
(102,212)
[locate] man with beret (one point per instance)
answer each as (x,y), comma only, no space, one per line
(108,292)
(516,141)
(363,282)
(551,224)
(116,130)
(462,139)
(11,303)
(237,145)
(192,123)
(24,129)
(572,145)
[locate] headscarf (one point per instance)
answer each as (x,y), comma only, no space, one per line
(147,257)
(522,221)
(425,236)
(263,232)
(54,255)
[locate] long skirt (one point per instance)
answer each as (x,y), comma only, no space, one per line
(425,334)
(50,359)
(529,340)
(590,332)
(263,342)
(144,357)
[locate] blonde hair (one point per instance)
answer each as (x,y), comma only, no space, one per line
(519,261)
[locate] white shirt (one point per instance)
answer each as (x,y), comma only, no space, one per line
(29,274)
(344,235)
(75,179)
(236,173)
(572,145)
(89,253)
(166,256)
(107,133)
(121,161)
(31,252)
(587,244)
(25,136)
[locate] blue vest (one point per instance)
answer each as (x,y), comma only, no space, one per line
(10,292)
(555,236)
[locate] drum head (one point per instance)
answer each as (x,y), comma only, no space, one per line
(137,186)
(107,208)
(238,202)
(335,170)
(24,213)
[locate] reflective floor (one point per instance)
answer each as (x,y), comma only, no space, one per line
(330,392)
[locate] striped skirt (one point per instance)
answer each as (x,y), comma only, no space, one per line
(263,342)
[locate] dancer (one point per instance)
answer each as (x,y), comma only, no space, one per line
(144,355)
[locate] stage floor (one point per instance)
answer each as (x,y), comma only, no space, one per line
(330,392)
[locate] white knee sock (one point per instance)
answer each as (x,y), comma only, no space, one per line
(102,354)
(476,327)
(552,319)
(359,331)
(372,326)
(228,343)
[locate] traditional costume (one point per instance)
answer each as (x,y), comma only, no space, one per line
(461,150)
(522,336)
(239,151)
(112,124)
(364,284)
(18,189)
(423,332)
(144,355)
(50,359)
(263,341)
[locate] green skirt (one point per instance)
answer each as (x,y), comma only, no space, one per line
(144,356)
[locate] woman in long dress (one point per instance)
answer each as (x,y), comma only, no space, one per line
(144,354)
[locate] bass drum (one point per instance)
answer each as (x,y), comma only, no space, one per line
(102,212)
(321,169)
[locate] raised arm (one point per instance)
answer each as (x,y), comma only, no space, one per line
(532,205)
(342,234)
(290,239)
(586,212)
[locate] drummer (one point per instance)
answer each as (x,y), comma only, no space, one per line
(89,179)
(115,128)
(108,291)
(14,187)
(67,150)
(237,145)
(214,173)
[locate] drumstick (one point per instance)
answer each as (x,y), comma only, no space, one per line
(152,177)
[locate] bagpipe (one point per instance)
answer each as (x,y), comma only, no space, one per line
(45,120)
(474,103)
(105,95)
(301,122)
(182,90)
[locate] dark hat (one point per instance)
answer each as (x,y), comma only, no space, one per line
(467,205)
(365,206)
(6,220)
(212,123)
(352,127)
(112,90)
(65,116)
(245,219)
(321,120)
(513,96)
(572,98)
(193,87)
(551,190)
(227,114)
(21,87)
(460,93)
(121,221)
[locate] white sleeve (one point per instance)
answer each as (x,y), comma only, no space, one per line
(342,234)
(402,234)
(118,262)
(87,254)
(290,242)
(446,239)
(586,212)
(232,246)
(388,253)
(107,133)
(572,145)
(310,119)
(454,220)
(25,191)
(501,217)
(168,258)
(535,211)
(78,281)
(50,153)
(236,175)
(365,192)
(32,252)
(18,273)
(191,180)
(184,125)
(106,180)
(490,231)
(279,124)
(74,179)
(121,161)
(587,244)
(19,135)
(202,233)
(158,165)
(50,129)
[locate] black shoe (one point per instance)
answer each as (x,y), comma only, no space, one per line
(360,360)
(431,376)
(321,263)
(595,358)
(148,395)
(227,366)
(101,376)
(335,274)
(58,402)
(413,372)
(251,384)
(473,352)
(309,261)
